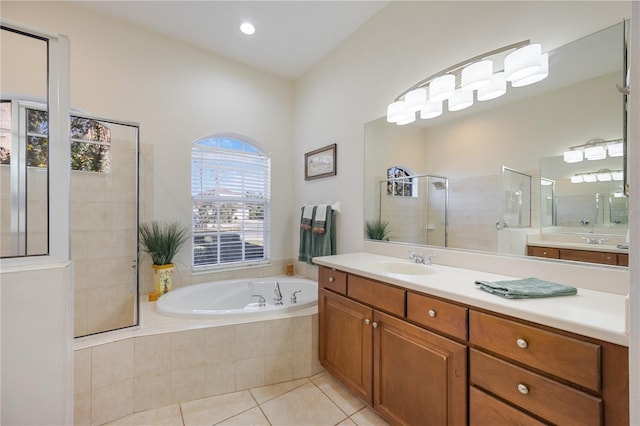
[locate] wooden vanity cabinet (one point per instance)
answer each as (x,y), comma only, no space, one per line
(590,256)
(421,360)
(551,376)
(409,375)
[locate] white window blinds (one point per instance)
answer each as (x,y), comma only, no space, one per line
(230,181)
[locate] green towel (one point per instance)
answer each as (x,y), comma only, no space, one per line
(526,288)
(314,244)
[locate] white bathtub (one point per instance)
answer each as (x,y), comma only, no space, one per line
(224,299)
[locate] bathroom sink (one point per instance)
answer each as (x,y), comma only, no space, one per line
(397,267)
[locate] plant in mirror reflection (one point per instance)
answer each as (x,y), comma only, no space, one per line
(377,230)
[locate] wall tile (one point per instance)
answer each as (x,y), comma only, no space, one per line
(82,370)
(250,340)
(187,349)
(152,354)
(152,390)
(112,363)
(220,377)
(220,344)
(187,384)
(111,402)
(249,373)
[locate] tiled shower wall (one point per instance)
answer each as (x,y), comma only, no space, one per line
(141,373)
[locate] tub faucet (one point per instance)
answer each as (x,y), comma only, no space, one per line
(277,295)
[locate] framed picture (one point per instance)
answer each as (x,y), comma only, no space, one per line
(320,163)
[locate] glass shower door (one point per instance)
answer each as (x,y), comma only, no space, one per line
(104,223)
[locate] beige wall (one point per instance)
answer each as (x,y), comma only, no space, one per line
(404,43)
(178,94)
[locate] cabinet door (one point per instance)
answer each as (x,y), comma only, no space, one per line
(346,341)
(420,378)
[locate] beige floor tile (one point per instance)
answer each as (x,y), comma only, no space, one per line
(266,393)
(347,422)
(367,417)
(165,416)
(209,411)
(339,394)
(306,405)
(253,417)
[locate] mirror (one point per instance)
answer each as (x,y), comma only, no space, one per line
(24,135)
(521,131)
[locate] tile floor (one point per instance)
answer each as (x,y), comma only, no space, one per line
(319,400)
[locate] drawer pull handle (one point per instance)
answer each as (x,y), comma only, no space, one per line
(522,343)
(432,313)
(367,321)
(523,389)
(544,253)
(331,279)
(374,325)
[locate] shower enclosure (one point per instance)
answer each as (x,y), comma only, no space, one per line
(422,202)
(102,188)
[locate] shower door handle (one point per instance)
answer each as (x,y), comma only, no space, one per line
(501,224)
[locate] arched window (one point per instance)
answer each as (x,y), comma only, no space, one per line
(400,182)
(230,195)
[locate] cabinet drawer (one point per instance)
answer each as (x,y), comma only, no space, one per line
(571,359)
(551,253)
(623,259)
(437,314)
(485,410)
(378,295)
(333,280)
(589,256)
(544,397)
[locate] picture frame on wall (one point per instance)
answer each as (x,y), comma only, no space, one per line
(320,163)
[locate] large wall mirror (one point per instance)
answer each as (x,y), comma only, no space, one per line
(525,132)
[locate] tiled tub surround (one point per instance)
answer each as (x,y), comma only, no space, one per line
(172,360)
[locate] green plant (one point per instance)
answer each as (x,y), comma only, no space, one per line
(377,230)
(162,240)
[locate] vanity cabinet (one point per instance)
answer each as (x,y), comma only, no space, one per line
(544,374)
(408,374)
(591,256)
(419,359)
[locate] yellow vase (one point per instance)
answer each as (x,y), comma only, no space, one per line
(162,278)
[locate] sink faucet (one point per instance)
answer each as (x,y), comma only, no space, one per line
(277,295)
(420,258)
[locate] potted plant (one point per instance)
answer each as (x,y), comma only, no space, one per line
(377,230)
(162,241)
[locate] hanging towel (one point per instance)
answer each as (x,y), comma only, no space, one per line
(313,244)
(526,288)
(320,218)
(307,217)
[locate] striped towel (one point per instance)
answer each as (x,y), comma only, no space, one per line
(307,217)
(320,219)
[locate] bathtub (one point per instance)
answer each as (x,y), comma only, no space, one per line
(233,298)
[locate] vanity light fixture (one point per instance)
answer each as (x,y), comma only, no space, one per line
(524,65)
(602,175)
(247,28)
(595,149)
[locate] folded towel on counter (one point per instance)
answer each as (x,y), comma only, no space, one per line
(320,218)
(307,217)
(526,288)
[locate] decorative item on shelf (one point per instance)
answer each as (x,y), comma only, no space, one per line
(595,149)
(524,65)
(162,241)
(377,230)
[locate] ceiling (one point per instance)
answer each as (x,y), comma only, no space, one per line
(291,36)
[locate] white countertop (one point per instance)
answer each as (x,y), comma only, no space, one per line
(595,314)
(576,246)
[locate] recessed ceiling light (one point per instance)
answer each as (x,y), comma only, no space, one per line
(247,28)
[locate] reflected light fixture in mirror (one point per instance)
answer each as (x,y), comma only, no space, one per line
(595,149)
(525,65)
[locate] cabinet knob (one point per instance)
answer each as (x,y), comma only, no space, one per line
(522,343)
(523,389)
(367,321)
(331,279)
(432,313)
(544,253)
(374,325)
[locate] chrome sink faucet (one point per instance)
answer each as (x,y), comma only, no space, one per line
(277,294)
(420,258)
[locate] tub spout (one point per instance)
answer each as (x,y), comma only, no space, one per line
(277,295)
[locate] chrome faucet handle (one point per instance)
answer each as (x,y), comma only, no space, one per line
(294,298)
(262,302)
(427,259)
(277,294)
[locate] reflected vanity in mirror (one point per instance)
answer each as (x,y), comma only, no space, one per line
(525,132)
